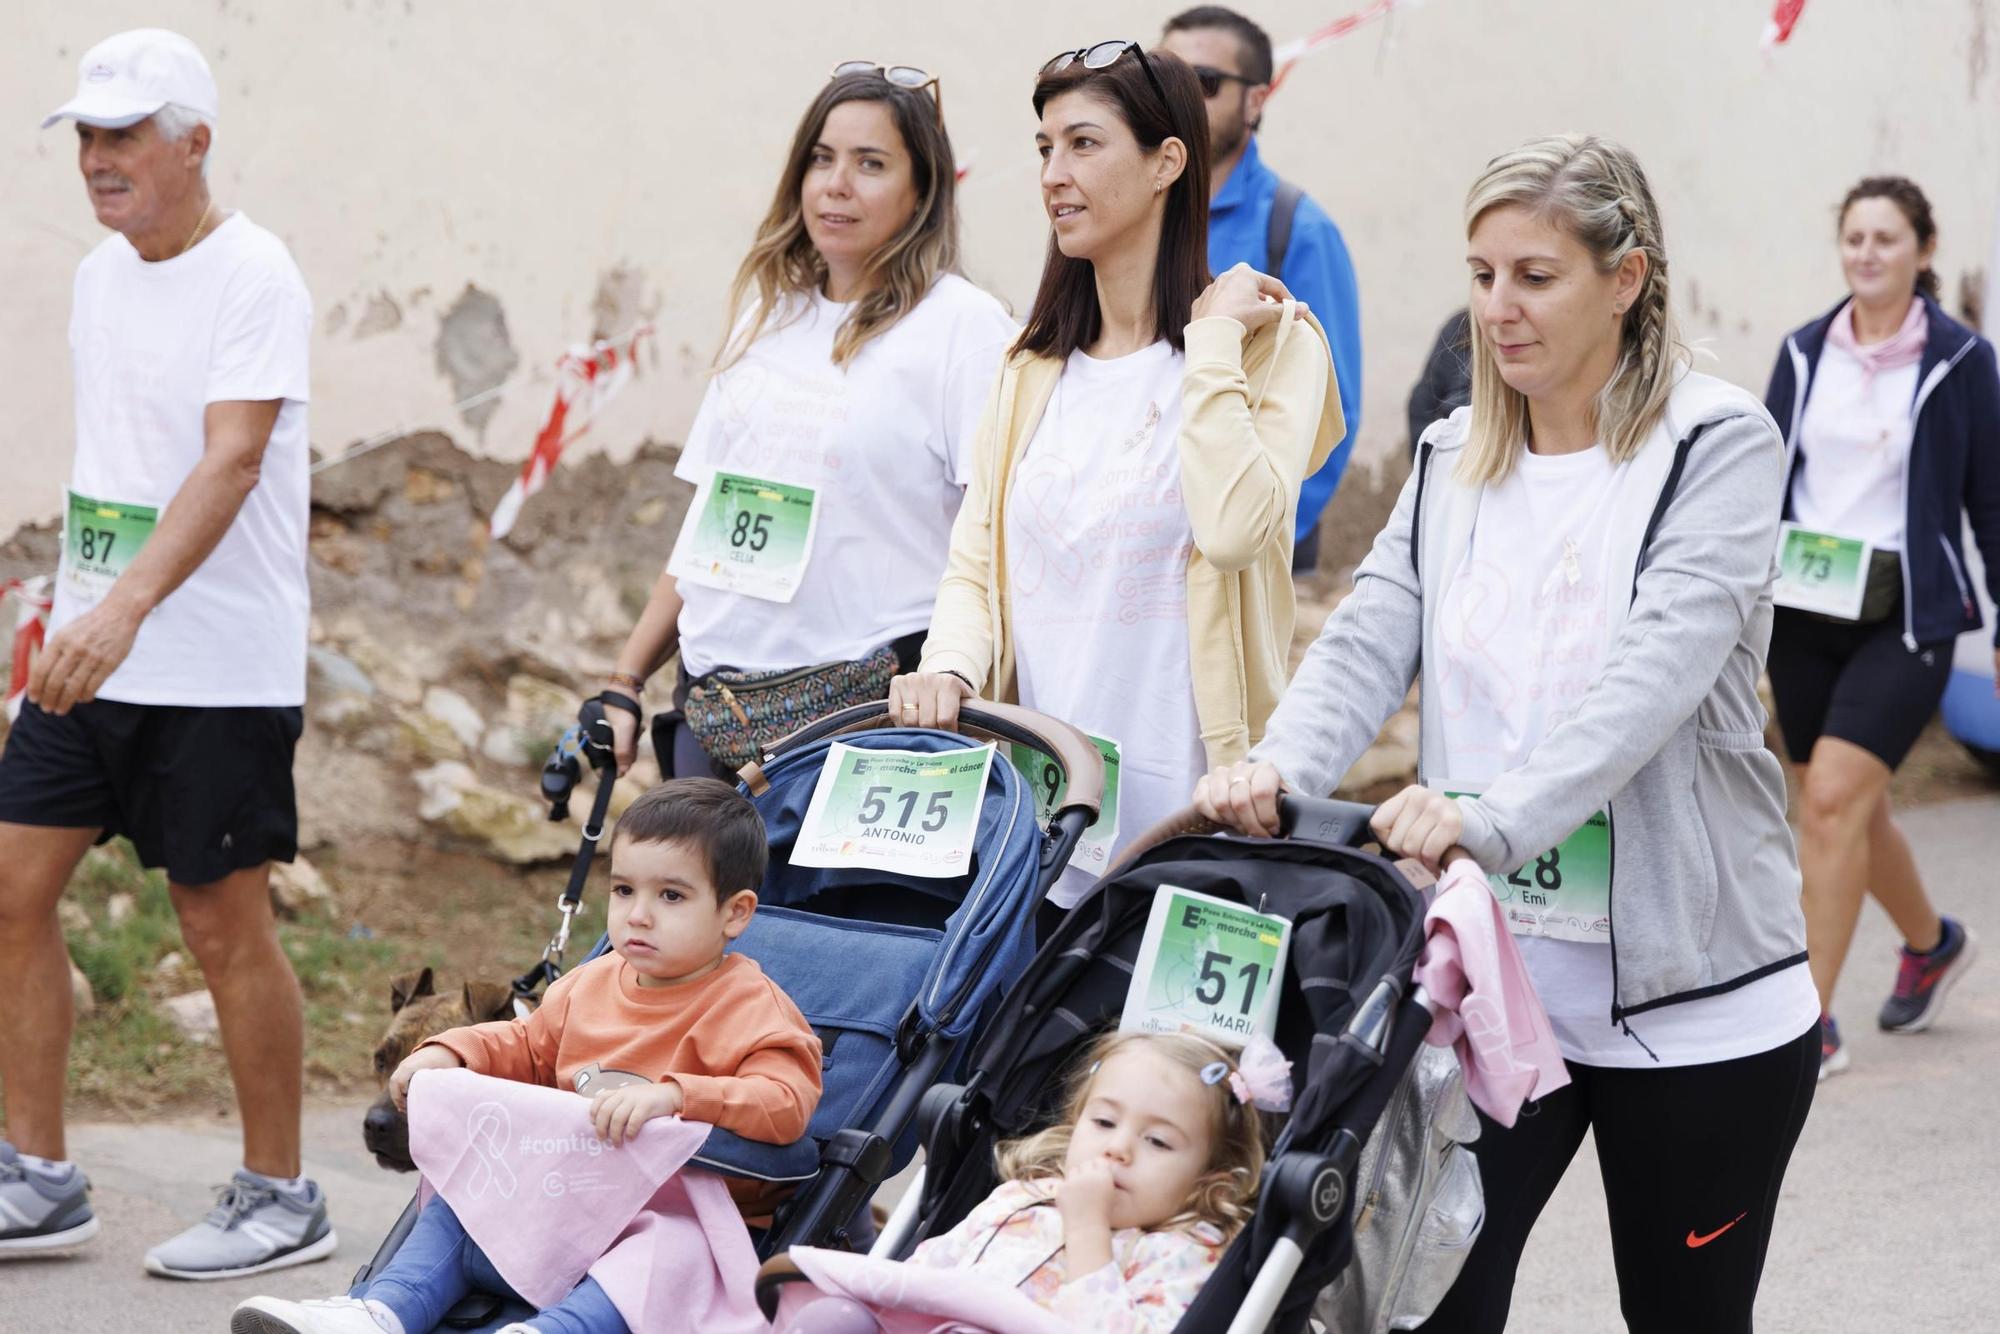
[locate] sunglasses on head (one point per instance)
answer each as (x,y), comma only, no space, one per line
(903,76)
(1212,79)
(1104,55)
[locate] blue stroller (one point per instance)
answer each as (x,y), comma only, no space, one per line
(896,974)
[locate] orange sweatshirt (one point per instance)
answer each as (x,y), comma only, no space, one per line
(745,1058)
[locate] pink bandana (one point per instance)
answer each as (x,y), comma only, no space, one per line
(1905,347)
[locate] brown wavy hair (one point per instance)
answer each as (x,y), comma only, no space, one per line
(783,263)
(1906,195)
(1226,1193)
(1066,315)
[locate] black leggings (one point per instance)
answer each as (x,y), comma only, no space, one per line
(1692,1157)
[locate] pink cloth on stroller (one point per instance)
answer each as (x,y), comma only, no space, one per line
(1488,1010)
(907,1298)
(548,1201)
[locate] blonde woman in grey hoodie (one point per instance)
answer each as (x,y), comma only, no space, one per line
(1580,571)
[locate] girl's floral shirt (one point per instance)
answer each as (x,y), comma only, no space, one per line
(1016,1235)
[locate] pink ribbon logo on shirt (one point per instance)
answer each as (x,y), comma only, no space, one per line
(488,1129)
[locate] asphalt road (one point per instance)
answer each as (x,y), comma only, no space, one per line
(1890,1217)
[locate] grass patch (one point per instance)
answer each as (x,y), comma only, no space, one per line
(408,908)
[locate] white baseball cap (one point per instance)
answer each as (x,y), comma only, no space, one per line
(126,78)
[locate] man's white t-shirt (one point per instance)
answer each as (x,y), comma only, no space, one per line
(1097,541)
(1523,631)
(1855,442)
(153,344)
(886,443)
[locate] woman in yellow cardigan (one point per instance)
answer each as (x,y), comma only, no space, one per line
(1122,559)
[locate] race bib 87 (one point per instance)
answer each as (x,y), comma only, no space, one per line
(100,538)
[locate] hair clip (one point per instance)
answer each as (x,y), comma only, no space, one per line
(1215,1072)
(1262,1077)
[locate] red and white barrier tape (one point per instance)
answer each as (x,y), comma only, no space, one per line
(586,379)
(1287,54)
(1784,17)
(30,624)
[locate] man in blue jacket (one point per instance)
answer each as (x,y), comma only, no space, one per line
(1259,219)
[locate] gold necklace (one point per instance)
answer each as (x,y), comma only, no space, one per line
(203,222)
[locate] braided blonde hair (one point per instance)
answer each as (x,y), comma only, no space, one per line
(1225,1195)
(1594,190)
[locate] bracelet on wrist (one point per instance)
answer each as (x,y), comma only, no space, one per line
(635,684)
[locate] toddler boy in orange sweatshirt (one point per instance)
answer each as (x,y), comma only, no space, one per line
(665,1025)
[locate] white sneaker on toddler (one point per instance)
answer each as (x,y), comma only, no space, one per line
(328,1315)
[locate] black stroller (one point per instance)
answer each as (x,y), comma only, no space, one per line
(1348,1017)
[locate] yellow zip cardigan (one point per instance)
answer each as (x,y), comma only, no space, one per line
(1256,420)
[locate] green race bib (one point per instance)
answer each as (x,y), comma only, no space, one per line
(749,535)
(1093,850)
(1821,572)
(895,810)
(100,538)
(1206,963)
(1564,894)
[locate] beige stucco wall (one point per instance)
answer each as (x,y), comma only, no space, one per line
(549,154)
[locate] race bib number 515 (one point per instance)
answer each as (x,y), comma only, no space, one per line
(895,810)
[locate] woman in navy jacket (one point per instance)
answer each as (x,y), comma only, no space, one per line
(1891,415)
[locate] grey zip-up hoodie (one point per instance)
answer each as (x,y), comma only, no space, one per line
(1670,737)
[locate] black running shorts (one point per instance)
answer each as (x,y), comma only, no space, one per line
(201,792)
(1855,682)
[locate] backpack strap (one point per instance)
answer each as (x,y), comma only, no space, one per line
(1278,235)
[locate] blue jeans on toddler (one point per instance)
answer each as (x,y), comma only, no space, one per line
(438,1266)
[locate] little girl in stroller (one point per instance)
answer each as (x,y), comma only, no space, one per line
(1111,1219)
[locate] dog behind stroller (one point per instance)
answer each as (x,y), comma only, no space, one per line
(896,973)
(1348,1018)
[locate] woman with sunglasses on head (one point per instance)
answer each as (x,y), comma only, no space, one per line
(1578,573)
(1891,411)
(832,448)
(1123,557)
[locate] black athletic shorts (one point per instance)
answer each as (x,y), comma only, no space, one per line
(1855,682)
(201,792)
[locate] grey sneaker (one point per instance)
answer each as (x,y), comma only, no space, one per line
(41,1211)
(254,1227)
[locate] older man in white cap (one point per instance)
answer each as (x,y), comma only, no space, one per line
(166,704)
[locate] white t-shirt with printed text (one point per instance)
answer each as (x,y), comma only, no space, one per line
(886,443)
(1523,632)
(1097,540)
(1854,440)
(153,344)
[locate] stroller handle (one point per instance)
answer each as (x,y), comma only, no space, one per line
(983,720)
(1323,819)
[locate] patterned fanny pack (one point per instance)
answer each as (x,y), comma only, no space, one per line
(737,716)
